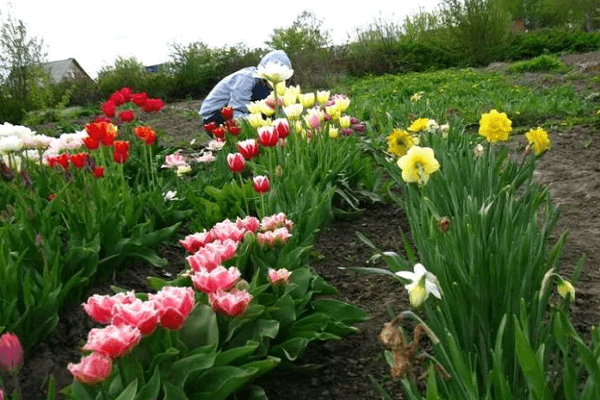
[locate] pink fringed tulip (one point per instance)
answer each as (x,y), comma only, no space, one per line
(227,230)
(232,304)
(141,314)
(92,369)
(270,223)
(204,259)
(272,238)
(226,248)
(11,352)
(99,308)
(219,278)
(174,304)
(113,341)
(249,223)
(194,242)
(279,277)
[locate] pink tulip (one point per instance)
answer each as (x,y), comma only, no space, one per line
(113,341)
(273,238)
(219,278)
(11,352)
(232,304)
(275,221)
(141,314)
(279,277)
(282,127)
(236,162)
(204,259)
(192,243)
(267,136)
(227,230)
(92,369)
(99,308)
(248,148)
(174,161)
(174,304)
(261,184)
(249,223)
(225,249)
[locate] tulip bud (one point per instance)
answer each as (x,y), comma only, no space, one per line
(11,353)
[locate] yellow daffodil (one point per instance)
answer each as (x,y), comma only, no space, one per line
(565,289)
(416,96)
(323,97)
(495,126)
(418,164)
(419,125)
(400,141)
(538,140)
(422,283)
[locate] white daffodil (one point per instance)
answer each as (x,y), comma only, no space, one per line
(274,72)
(422,283)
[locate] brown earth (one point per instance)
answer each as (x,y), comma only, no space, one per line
(341,369)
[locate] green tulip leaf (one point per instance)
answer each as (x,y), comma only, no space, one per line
(151,389)
(220,382)
(129,392)
(200,327)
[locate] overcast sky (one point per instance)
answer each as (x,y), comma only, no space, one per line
(95,33)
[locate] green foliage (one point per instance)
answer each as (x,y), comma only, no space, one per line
(126,72)
(545,63)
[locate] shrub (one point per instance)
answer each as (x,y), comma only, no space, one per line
(542,63)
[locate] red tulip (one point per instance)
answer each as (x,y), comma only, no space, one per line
(227,113)
(146,133)
(232,304)
(261,184)
(121,146)
(210,127)
(78,160)
(127,115)
(282,127)
(126,93)
(117,98)
(109,109)
(153,105)
(236,162)
(63,161)
(139,99)
(141,314)
(98,172)
(267,136)
(11,352)
(92,369)
(219,278)
(120,158)
(91,143)
(232,127)
(219,132)
(174,304)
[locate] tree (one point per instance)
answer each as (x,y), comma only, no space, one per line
(19,56)
(306,33)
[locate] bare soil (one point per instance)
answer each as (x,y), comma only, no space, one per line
(341,369)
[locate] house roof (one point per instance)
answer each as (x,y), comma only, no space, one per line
(60,69)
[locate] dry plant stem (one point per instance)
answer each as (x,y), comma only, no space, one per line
(394,339)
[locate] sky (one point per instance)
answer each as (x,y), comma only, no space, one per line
(97,33)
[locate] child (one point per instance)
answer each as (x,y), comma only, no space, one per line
(238,89)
